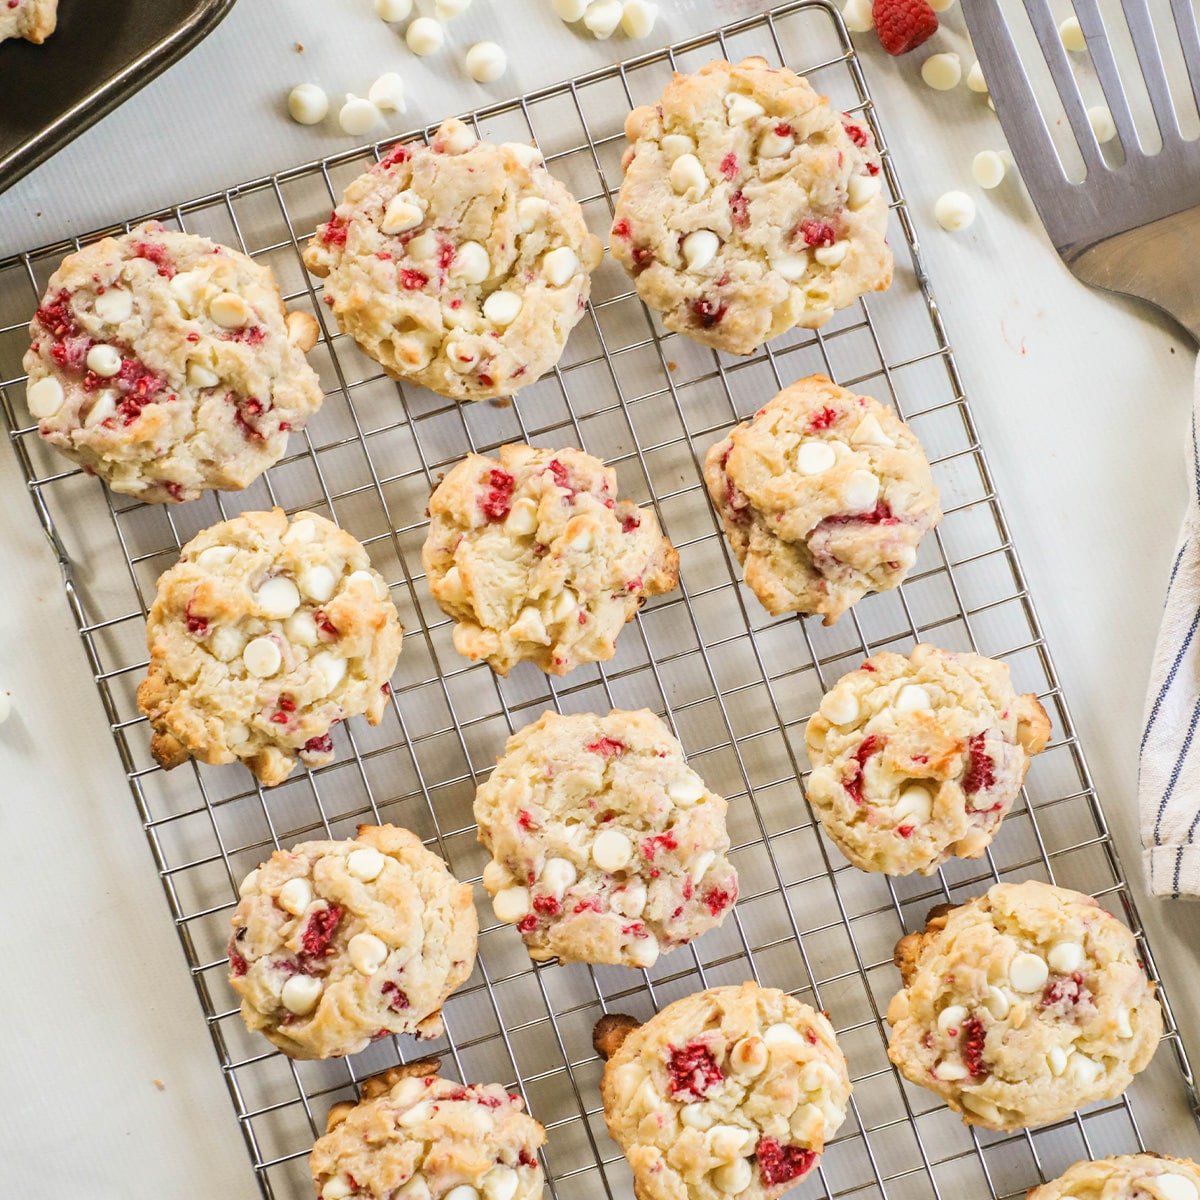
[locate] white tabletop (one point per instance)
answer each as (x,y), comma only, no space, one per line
(108,1082)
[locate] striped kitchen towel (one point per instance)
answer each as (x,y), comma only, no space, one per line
(1169,760)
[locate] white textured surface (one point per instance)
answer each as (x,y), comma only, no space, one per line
(1082,401)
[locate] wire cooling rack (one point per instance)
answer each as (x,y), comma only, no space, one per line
(736,685)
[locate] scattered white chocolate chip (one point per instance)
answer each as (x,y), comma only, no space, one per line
(278,598)
(832,256)
(393,10)
(329,668)
(638,17)
(602,18)
(502,308)
(950,1070)
(631,900)
(988,169)
(262,657)
(300,532)
(200,376)
(114,305)
(557,875)
(447,10)
(1028,972)
(301,628)
(741,109)
(249,884)
(687,176)
(1172,1186)
(861,190)
(1056,1060)
(226,643)
(861,490)
(700,248)
(44,398)
(727,1142)
(975,79)
(611,850)
(529,626)
(913,698)
(996,1002)
(500,1183)
(858,16)
(701,865)
(104,408)
(1071,34)
(462,358)
(569,10)
(377,584)
(471,263)
(790,265)
(814,457)
(307,104)
(486,62)
(686,790)
(560,265)
(404,212)
(229,310)
(733,1178)
(300,994)
(774,144)
(696,1116)
(424,36)
(295,896)
(522,517)
(318,582)
(1101,121)
(457,138)
(840,706)
(942,72)
(1065,957)
(367,953)
(869,432)
(675,144)
(217,556)
(954,211)
(337,1188)
(644,951)
(915,805)
(511,904)
(1082,1069)
(387,93)
(1124,1028)
(365,863)
(951,1018)
(358,115)
(782,1034)
(748,1057)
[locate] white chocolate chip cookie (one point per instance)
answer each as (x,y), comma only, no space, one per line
(1125,1177)
(730,1092)
(1022,1005)
(461,266)
(825,495)
(337,943)
(416,1136)
(168,365)
(536,558)
(264,635)
(917,758)
(749,206)
(33,20)
(606,846)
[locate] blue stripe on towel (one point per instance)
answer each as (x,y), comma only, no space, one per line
(1175,773)
(1170,679)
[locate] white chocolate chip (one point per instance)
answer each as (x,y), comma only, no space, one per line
(741,109)
(611,850)
(557,875)
(749,1056)
(951,1018)
(393,10)
(675,145)
(915,805)
(1102,123)
(377,584)
(1056,1060)
(861,190)
(954,211)
(278,598)
(1028,972)
(300,994)
(602,18)
(700,248)
(511,904)
(942,72)
(1124,1028)
(638,17)
(858,16)
(582,540)
(301,629)
(869,432)
(500,1183)
(447,10)
(631,902)
(358,115)
(832,256)
(226,643)
(687,176)
(300,532)
(782,1034)
(644,951)
(337,1188)
(975,79)
(104,407)
(461,357)
(387,93)
(774,144)
(189,290)
(229,310)
(951,1069)
(502,308)
(262,657)
(330,669)
(404,212)
(733,1178)
(1171,1186)
(471,263)
(701,865)
(808,1123)
(988,169)
(686,790)
(318,582)
(791,266)
(104,360)
(727,1142)
(424,245)
(529,626)
(696,1116)
(365,863)
(307,104)
(114,305)
(417,1115)
(913,698)
(815,457)
(1071,33)
(996,1002)
(1065,957)
(522,518)
(424,36)
(44,398)
(486,62)
(559,266)
(249,884)
(457,137)
(530,211)
(1083,1070)
(295,896)
(367,953)
(200,376)
(861,490)
(840,706)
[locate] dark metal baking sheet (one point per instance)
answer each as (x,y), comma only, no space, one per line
(102,52)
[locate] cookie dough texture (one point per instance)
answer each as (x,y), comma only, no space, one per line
(749,206)
(731,1091)
(416,1136)
(337,943)
(461,266)
(606,846)
(535,557)
(167,365)
(1125,1177)
(1022,1005)
(263,636)
(825,495)
(33,20)
(918,758)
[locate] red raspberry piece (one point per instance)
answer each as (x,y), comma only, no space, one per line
(869,745)
(630,523)
(817,233)
(398,999)
(606,747)
(973,1035)
(397,154)
(547,906)
(496,503)
(643,256)
(881,514)
(981,767)
(739,208)
(825,419)
(902,25)
(237,964)
(525,1158)
(195,624)
(708,313)
(319,745)
(857,134)
(412,281)
(324,624)
(526,821)
(621,229)
(718,899)
(1067,991)
(778,1164)
(729,166)
(56,317)
(333,232)
(693,1071)
(319,931)
(659,841)
(158,255)
(527,924)
(287,703)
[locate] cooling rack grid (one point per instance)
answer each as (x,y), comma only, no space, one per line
(736,685)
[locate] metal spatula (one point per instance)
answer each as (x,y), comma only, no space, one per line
(1133,228)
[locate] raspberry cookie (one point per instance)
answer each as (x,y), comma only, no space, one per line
(416,1136)
(825,495)
(536,558)
(263,636)
(1022,1005)
(337,943)
(606,846)
(1125,1177)
(749,206)
(167,365)
(461,266)
(33,20)
(918,758)
(730,1092)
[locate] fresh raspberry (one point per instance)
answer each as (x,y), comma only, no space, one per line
(398,999)
(319,745)
(718,899)
(606,747)
(621,229)
(817,233)
(157,254)
(824,419)
(412,281)
(729,166)
(322,621)
(659,841)
(708,313)
(981,768)
(319,931)
(643,256)
(237,964)
(333,232)
(779,1164)
(693,1072)
(498,501)
(881,514)
(902,25)
(526,1159)
(868,746)
(973,1036)
(739,210)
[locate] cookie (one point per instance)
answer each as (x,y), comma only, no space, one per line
(33,20)
(168,365)
(749,206)
(263,636)
(917,758)
(416,1136)
(535,558)
(730,1092)
(1022,1005)
(337,943)
(825,496)
(606,846)
(1125,1177)
(461,266)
